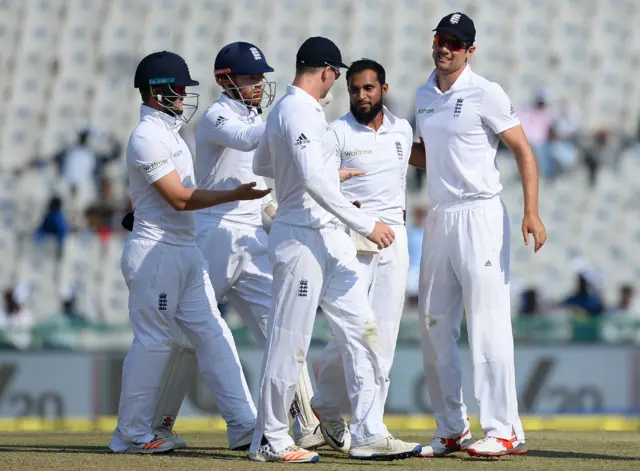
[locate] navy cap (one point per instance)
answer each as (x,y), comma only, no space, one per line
(160,68)
(458,24)
(241,58)
(318,52)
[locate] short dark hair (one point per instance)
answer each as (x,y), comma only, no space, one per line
(305,69)
(367,64)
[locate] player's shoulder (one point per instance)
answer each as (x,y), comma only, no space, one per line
(342,123)
(217,114)
(404,126)
(488,86)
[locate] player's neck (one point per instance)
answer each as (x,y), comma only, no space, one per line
(445,81)
(307,83)
(376,123)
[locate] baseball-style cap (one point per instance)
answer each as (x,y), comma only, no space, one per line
(241,58)
(161,68)
(458,24)
(318,52)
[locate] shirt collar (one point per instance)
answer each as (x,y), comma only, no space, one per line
(462,80)
(237,106)
(299,92)
(173,123)
(388,121)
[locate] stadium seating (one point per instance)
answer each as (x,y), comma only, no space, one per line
(66,63)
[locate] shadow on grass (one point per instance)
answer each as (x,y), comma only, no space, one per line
(555,454)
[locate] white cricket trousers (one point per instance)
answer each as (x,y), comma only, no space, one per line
(385,275)
(311,269)
(166,283)
(465,266)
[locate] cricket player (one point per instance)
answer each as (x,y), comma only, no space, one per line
(315,266)
(164,270)
(461,117)
(371,139)
(231,235)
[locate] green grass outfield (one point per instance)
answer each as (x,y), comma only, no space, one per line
(418,423)
(548,451)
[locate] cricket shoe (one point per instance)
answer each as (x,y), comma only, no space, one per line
(164,433)
(336,433)
(291,454)
(439,447)
(312,439)
(493,446)
(157,445)
(387,449)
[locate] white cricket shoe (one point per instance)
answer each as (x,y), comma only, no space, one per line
(387,449)
(291,454)
(164,433)
(157,445)
(493,446)
(336,433)
(440,446)
(312,439)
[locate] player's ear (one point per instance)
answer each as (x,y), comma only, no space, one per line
(470,51)
(385,89)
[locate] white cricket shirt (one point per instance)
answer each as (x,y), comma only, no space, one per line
(155,149)
(226,137)
(298,151)
(460,131)
(383,155)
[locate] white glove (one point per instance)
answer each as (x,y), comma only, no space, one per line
(326,100)
(269,215)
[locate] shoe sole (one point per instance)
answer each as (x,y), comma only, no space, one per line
(262,459)
(150,452)
(393,457)
(520,449)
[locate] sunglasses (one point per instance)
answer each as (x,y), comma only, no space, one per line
(453,44)
(335,69)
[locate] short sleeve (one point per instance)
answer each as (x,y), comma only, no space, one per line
(497,111)
(151,157)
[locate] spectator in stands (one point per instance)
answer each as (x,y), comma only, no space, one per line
(81,167)
(60,330)
(415,231)
(16,320)
(563,135)
(536,121)
(54,224)
(586,298)
(603,151)
(530,304)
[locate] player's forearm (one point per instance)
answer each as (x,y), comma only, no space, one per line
(330,198)
(418,156)
(193,199)
(528,168)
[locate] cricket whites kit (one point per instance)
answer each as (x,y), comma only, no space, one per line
(465,263)
(169,285)
(384,156)
(315,265)
(234,243)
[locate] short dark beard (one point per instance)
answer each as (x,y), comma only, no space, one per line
(365,117)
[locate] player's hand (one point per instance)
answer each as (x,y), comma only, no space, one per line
(357,204)
(532,224)
(247,191)
(382,235)
(346,173)
(327,99)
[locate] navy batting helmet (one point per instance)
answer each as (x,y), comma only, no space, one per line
(166,75)
(242,58)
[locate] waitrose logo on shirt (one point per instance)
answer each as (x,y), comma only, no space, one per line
(155,165)
(356,152)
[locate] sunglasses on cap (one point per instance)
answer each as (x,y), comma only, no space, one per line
(335,69)
(453,44)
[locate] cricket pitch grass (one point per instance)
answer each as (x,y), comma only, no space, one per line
(87,451)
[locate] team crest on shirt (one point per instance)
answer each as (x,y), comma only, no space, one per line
(458,107)
(399,150)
